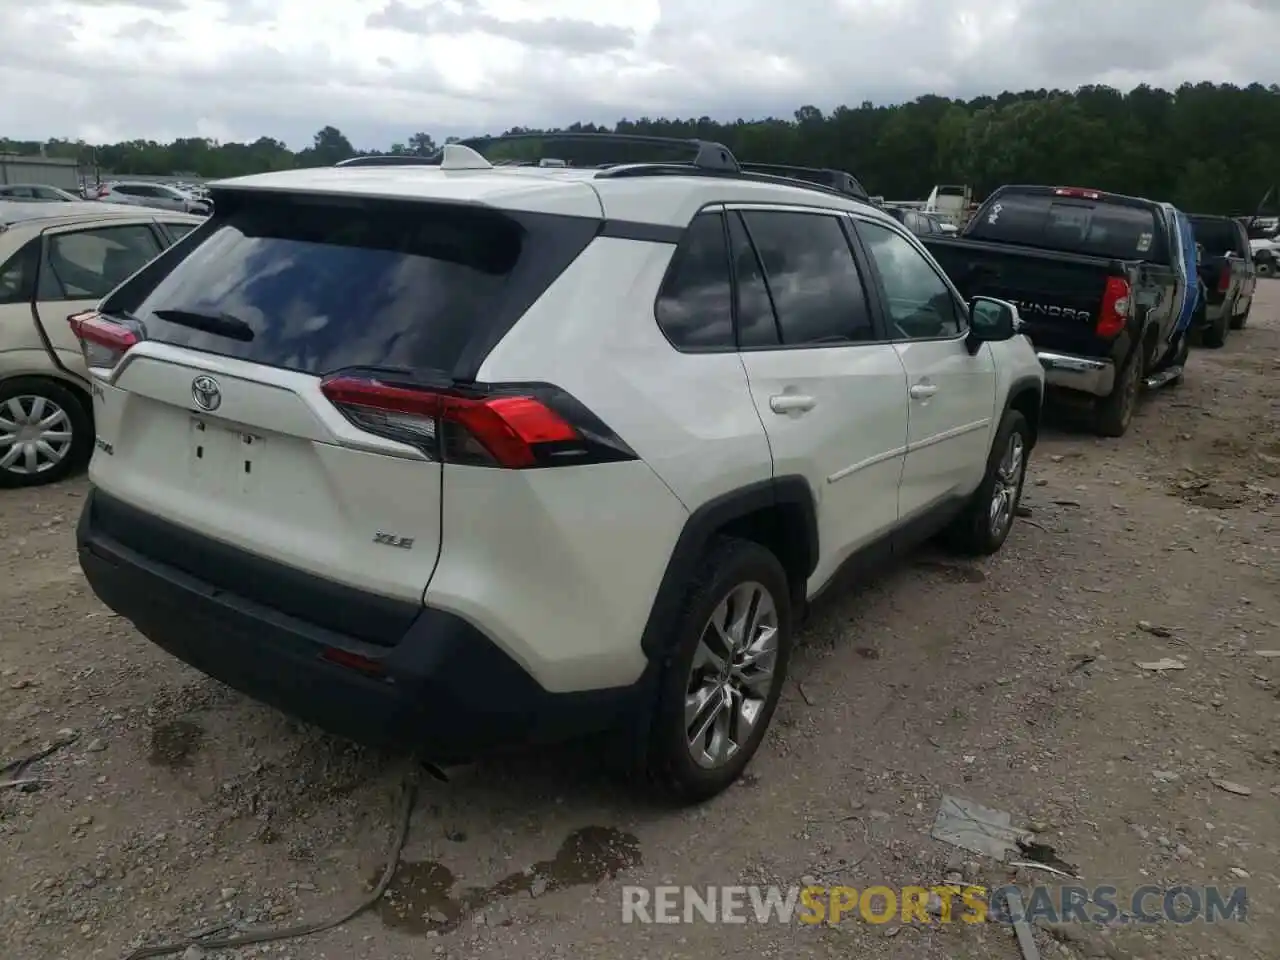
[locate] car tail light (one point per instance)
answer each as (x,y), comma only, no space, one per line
(1078,192)
(1115,307)
(103,341)
(1224,278)
(513,428)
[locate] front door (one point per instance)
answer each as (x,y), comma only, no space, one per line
(79,266)
(830,392)
(952,393)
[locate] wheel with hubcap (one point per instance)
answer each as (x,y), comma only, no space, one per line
(45,433)
(984,526)
(722,681)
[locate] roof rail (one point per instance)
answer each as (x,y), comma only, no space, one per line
(391,160)
(837,180)
(707,155)
(709,159)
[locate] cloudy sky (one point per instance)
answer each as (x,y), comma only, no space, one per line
(379,70)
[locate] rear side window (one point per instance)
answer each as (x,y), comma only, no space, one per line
(18,274)
(178,230)
(89,264)
(817,294)
(757,324)
(1218,237)
(316,285)
(1095,228)
(695,304)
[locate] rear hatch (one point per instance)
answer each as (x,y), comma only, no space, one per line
(246,382)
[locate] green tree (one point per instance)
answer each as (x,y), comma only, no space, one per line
(1206,147)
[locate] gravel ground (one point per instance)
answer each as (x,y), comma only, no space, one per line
(176,805)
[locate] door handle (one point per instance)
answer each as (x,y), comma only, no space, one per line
(791,403)
(923,391)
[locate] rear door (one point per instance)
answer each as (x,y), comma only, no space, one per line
(218,422)
(80,265)
(830,392)
(952,393)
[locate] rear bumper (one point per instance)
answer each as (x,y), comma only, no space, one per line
(443,688)
(1085,374)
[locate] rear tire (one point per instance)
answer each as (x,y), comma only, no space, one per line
(1239,320)
(45,430)
(1113,414)
(739,583)
(985,524)
(1215,335)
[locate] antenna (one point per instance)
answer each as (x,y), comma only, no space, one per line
(457,156)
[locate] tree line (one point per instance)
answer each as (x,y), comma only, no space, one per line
(1205,147)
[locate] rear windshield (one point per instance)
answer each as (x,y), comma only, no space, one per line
(1095,228)
(1218,237)
(318,285)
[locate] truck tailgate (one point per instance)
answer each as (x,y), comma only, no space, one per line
(1058,295)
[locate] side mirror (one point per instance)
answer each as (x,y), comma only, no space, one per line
(991,321)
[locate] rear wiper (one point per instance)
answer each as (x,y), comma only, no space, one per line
(222,324)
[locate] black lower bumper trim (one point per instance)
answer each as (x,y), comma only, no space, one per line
(443,688)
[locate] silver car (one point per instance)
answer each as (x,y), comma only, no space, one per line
(140,193)
(35,193)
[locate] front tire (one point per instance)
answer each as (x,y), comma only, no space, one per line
(46,434)
(724,676)
(985,524)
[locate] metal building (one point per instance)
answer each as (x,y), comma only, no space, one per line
(50,171)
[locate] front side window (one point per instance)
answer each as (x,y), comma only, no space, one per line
(695,305)
(812,278)
(89,264)
(920,305)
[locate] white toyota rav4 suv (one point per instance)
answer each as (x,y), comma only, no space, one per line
(467,456)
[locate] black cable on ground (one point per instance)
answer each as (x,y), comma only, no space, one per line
(252,937)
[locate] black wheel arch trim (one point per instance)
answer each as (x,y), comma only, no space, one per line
(699,529)
(1021,387)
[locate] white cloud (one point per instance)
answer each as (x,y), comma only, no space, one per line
(381,69)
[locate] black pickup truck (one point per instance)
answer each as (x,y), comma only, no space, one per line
(1092,275)
(1228,273)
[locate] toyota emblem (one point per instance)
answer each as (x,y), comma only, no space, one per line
(206,393)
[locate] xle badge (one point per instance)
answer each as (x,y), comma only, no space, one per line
(391,540)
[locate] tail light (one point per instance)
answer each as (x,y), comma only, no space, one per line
(1077,192)
(103,341)
(532,426)
(1224,278)
(1114,316)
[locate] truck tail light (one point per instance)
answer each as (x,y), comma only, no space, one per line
(1114,316)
